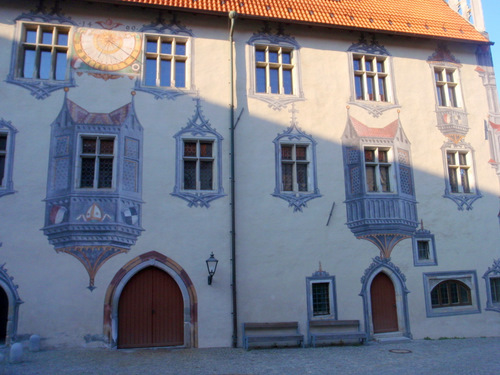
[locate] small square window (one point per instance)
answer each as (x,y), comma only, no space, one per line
(321,296)
(424,248)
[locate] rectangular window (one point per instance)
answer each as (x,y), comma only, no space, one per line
(378,170)
(371,78)
(495,289)
(96,162)
(274,70)
(459,171)
(294,167)
(44,52)
(423,250)
(198,164)
(446,86)
(165,62)
(3,158)
(321,298)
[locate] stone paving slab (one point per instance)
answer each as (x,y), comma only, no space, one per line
(479,356)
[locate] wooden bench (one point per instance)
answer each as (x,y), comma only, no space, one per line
(334,330)
(271,333)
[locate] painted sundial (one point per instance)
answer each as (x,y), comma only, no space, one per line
(106,49)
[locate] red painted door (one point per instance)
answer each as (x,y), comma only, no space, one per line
(150,311)
(383,297)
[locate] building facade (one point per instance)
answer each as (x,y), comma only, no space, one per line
(340,163)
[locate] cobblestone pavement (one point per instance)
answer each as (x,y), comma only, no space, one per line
(479,356)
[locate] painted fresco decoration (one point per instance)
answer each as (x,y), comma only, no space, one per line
(382,217)
(290,136)
(93,211)
(11,290)
(39,88)
(371,47)
(198,127)
(175,28)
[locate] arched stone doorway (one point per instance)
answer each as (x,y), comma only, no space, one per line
(9,307)
(385,301)
(134,319)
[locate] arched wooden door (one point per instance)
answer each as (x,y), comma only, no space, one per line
(4,315)
(384,310)
(150,311)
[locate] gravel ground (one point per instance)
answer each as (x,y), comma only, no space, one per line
(452,356)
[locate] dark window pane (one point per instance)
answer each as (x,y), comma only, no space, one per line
(441,96)
(384,179)
(358,82)
(180,49)
(371,183)
(260,56)
(382,89)
(2,169)
(180,74)
(321,298)
(273,56)
(382,156)
(61,66)
(150,72)
(452,96)
(301,152)
(302,177)
(89,145)
(206,149)
(380,67)
(3,142)
(453,293)
(286,152)
(357,64)
(166,48)
(87,173)
(47,37)
(189,175)
(450,156)
(370,82)
(462,158)
(274,80)
(495,289)
(152,46)
(261,79)
(62,39)
(449,76)
(165,68)
(29,63)
(45,65)
(30,36)
(286,176)
(286,57)
(443,292)
(287,82)
(370,155)
(464,295)
(107,146)
(369,65)
(464,176)
(206,175)
(452,174)
(438,74)
(189,148)
(105,173)
(435,297)
(423,250)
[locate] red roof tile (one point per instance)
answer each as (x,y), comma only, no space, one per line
(431,18)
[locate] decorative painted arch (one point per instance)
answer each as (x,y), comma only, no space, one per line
(399,280)
(7,284)
(166,264)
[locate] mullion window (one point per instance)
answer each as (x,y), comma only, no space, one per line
(377,170)
(321,298)
(450,293)
(166,60)
(446,87)
(96,162)
(458,171)
(294,168)
(495,289)
(370,78)
(198,162)
(274,70)
(44,52)
(3,158)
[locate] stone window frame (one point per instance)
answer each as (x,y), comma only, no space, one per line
(7,186)
(441,87)
(469,278)
(321,277)
(424,235)
(492,272)
(98,156)
(393,184)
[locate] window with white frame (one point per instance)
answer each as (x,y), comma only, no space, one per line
(321,296)
(97,154)
(43,52)
(198,164)
(446,80)
(294,167)
(166,62)
(451,293)
(274,70)
(371,78)
(460,176)
(378,169)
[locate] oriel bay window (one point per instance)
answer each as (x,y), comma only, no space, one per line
(166,62)
(371,78)
(274,70)
(198,164)
(377,169)
(44,52)
(294,167)
(96,162)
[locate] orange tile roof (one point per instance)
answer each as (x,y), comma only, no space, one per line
(426,18)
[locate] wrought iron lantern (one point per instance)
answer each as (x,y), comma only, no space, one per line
(211,267)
